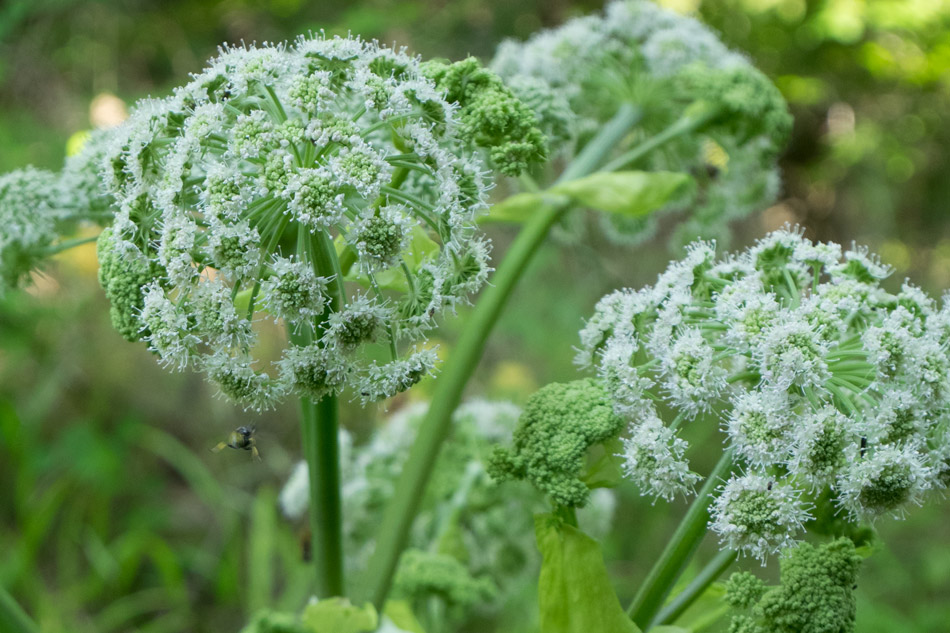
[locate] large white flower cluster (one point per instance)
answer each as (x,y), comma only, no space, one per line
(576,75)
(833,393)
(324,185)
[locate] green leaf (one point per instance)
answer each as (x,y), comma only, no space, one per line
(260,561)
(630,193)
(521,206)
(574,590)
(400,614)
(669,629)
(337,615)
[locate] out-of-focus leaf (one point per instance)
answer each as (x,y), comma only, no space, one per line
(629,193)
(520,207)
(260,562)
(338,615)
(574,590)
(400,614)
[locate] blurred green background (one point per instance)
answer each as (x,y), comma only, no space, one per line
(115,517)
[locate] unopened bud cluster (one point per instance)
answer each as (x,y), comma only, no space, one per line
(833,393)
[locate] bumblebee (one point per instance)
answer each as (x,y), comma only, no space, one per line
(241,438)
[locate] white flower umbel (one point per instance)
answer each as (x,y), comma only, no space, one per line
(326,185)
(886,481)
(757,515)
(824,383)
(577,75)
(653,457)
(28,214)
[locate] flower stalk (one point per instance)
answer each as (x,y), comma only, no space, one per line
(320,430)
(401,511)
(678,551)
(707,576)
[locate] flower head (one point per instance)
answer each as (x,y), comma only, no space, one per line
(669,67)
(826,385)
(330,185)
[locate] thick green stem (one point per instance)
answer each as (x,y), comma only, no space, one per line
(13,619)
(709,574)
(320,430)
(401,510)
(679,550)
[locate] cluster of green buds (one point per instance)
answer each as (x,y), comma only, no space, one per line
(331,186)
(38,208)
(816,593)
(833,393)
(720,119)
(469,524)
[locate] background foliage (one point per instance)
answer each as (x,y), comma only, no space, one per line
(115,517)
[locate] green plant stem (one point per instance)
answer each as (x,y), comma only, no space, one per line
(401,510)
(707,576)
(13,619)
(320,430)
(686,124)
(68,244)
(678,551)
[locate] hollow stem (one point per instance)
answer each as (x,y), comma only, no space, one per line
(684,125)
(678,551)
(320,432)
(401,510)
(13,619)
(707,576)
(320,429)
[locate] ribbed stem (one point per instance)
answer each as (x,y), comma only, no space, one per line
(707,576)
(13,619)
(679,550)
(401,510)
(320,430)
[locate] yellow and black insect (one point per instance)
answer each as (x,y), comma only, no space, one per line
(241,438)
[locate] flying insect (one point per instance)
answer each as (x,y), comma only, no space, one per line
(241,438)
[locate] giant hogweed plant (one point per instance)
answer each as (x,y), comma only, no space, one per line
(334,188)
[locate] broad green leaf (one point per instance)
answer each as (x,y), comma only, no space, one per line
(521,206)
(338,615)
(630,193)
(669,629)
(574,590)
(400,614)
